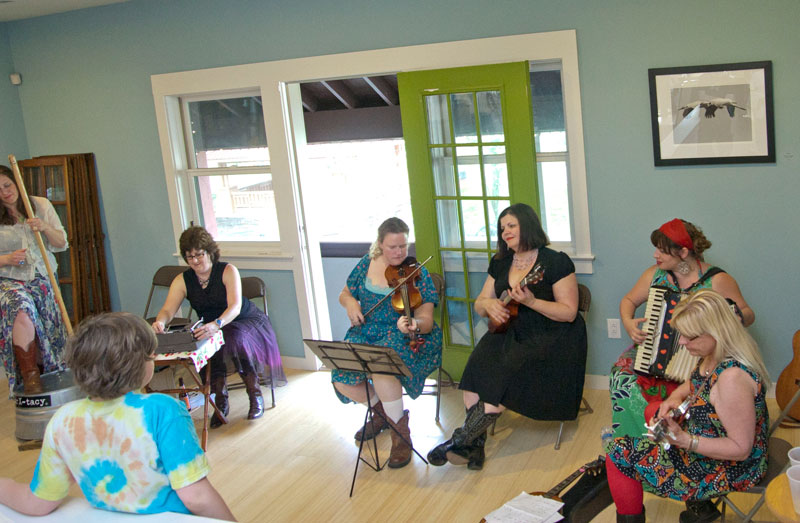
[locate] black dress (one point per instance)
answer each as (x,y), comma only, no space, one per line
(250,342)
(537,366)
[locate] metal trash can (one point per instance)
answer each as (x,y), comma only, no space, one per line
(35,410)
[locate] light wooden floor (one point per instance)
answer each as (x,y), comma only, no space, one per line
(296,463)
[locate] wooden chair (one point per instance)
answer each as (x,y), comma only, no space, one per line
(777,461)
(254,288)
(163,278)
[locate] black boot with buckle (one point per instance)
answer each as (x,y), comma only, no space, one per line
(220,400)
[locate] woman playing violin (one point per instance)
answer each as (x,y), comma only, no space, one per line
(535,367)
(386,327)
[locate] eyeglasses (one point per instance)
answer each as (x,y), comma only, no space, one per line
(196,257)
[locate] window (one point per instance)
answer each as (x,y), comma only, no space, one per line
(550,137)
(229,168)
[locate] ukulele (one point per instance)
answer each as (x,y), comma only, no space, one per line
(786,386)
(658,431)
(593,468)
(533,277)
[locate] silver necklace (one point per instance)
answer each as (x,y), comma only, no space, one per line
(523,262)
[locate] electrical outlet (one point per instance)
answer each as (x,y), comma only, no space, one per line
(613,328)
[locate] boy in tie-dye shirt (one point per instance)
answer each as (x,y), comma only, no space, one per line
(128,452)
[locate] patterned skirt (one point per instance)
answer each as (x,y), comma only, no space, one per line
(36,299)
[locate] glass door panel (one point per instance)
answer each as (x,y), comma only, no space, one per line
(477,160)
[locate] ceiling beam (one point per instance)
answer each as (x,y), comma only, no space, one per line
(310,102)
(384,89)
(341,92)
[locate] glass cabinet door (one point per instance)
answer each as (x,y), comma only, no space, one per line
(46,177)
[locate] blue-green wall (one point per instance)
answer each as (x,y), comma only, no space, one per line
(87,88)
(12,126)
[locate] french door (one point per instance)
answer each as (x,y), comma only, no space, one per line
(469,143)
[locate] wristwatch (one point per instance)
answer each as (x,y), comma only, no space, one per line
(219,322)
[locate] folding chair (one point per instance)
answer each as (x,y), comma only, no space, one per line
(438,282)
(163,278)
(777,460)
(254,288)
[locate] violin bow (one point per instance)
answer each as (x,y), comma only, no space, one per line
(400,284)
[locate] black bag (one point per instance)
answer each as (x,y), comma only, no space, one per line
(588,497)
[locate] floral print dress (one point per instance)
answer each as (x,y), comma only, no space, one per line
(681,474)
(380,328)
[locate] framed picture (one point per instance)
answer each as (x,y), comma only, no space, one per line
(711,114)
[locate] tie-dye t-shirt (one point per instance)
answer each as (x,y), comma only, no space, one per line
(128,454)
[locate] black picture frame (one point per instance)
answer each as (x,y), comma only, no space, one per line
(712,114)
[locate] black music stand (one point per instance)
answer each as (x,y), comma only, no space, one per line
(370,359)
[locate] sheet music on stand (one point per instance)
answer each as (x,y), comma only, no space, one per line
(359,357)
(370,359)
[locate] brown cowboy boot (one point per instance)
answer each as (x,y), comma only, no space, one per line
(26,360)
(400,454)
(220,400)
(254,393)
(375,424)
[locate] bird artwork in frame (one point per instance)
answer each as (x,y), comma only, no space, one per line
(712,114)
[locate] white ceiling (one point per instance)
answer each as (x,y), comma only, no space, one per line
(19,9)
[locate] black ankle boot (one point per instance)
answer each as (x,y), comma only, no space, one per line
(631,518)
(220,391)
(699,511)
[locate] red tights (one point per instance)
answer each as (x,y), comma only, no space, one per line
(627,493)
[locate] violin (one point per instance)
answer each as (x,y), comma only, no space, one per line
(533,277)
(406,297)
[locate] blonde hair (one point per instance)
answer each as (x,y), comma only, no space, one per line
(707,312)
(389,226)
(108,352)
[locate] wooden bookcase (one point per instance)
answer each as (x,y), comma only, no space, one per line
(70,183)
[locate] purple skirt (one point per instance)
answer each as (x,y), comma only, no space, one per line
(250,342)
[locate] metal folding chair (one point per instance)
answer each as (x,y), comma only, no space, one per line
(163,278)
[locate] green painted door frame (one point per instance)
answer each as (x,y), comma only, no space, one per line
(512,81)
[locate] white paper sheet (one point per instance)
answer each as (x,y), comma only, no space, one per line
(527,509)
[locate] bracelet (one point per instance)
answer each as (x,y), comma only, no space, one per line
(695,441)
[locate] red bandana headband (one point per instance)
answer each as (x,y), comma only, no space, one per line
(676,231)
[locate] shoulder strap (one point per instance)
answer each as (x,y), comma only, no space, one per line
(712,271)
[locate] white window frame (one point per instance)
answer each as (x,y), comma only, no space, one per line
(278,83)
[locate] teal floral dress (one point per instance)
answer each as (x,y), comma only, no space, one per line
(380,328)
(681,474)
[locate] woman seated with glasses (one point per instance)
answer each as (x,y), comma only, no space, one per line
(214,290)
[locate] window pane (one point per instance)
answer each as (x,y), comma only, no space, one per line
(474,224)
(548,111)
(463,106)
(239,207)
(447,218)
(443,179)
(469,171)
(458,319)
(477,265)
(438,121)
(228,132)
(554,194)
(350,188)
(454,274)
(495,170)
(490,111)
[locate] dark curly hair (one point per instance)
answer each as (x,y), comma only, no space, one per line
(699,241)
(197,238)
